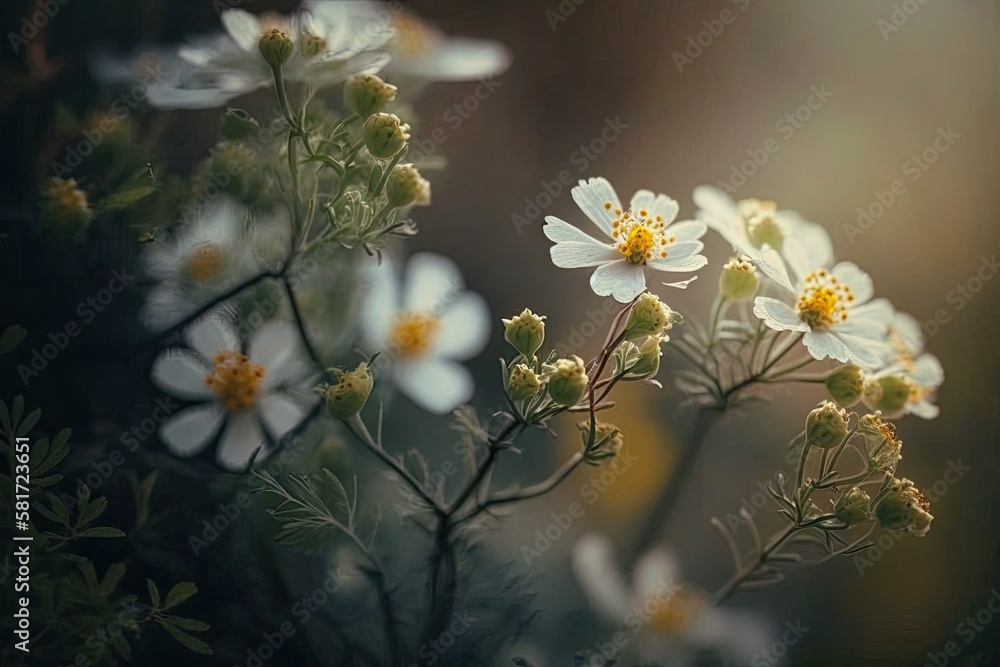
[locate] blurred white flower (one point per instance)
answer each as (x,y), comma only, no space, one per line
(638,237)
(675,621)
(424,325)
(750,224)
(253,399)
(920,371)
(833,308)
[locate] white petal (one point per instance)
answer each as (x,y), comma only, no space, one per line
(463,328)
(180,374)
(460,59)
(191,429)
(656,571)
(682,284)
(591,196)
(908,329)
(778,315)
(927,371)
(811,238)
(687,230)
(864,351)
(924,410)
(824,345)
(243,27)
(771,265)
(280,414)
(560,231)
(274,343)
(574,248)
(666,207)
(436,385)
(642,199)
(380,305)
(593,561)
(165,96)
(243,437)
(432,283)
(859,281)
(210,335)
(681,263)
(716,203)
(619,279)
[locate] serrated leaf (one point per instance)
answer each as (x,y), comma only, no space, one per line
(185,639)
(179,593)
(11,338)
(154,594)
(111,578)
(103,531)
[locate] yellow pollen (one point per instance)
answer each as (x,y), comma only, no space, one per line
(640,237)
(235,380)
(204,262)
(413,333)
(823,299)
(677,612)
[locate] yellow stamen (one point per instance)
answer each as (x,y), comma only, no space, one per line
(235,380)
(204,262)
(413,333)
(823,302)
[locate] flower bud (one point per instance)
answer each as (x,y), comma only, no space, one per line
(65,212)
(649,317)
(904,508)
(367,94)
(237,125)
(405,186)
(739,280)
(276,47)
(761,226)
(608,441)
(649,359)
(385,135)
(346,398)
(567,381)
(845,385)
(826,425)
(852,507)
(525,332)
(522,383)
(888,394)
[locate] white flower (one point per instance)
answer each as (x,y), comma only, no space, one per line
(253,399)
(639,237)
(833,308)
(425,324)
(907,359)
(207,255)
(750,224)
(681,621)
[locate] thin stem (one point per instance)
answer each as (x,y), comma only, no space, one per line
(300,322)
(738,578)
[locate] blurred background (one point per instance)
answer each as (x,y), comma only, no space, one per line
(854,95)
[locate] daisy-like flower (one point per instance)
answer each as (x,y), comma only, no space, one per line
(245,399)
(908,371)
(833,308)
(205,256)
(750,224)
(425,324)
(640,237)
(677,621)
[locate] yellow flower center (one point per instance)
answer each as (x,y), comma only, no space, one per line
(824,299)
(676,613)
(67,196)
(204,262)
(760,223)
(639,236)
(413,333)
(235,380)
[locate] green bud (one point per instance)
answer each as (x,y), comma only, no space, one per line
(522,383)
(65,212)
(852,507)
(608,441)
(276,47)
(888,394)
(367,94)
(649,359)
(567,381)
(405,186)
(739,280)
(826,425)
(845,385)
(385,135)
(761,226)
(237,125)
(904,508)
(525,332)
(649,317)
(346,398)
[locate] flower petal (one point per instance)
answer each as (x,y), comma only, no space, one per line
(908,329)
(432,283)
(591,196)
(927,371)
(381,304)
(687,230)
(191,429)
(459,59)
(241,440)
(436,385)
(574,248)
(210,335)
(463,328)
(823,345)
(181,375)
(778,315)
(681,263)
(280,413)
(859,281)
(716,203)
(593,561)
(682,284)
(665,206)
(656,571)
(810,238)
(864,351)
(619,279)
(924,410)
(243,27)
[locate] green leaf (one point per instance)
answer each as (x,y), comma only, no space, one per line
(331,493)
(127,196)
(184,638)
(154,594)
(17,410)
(29,422)
(121,645)
(11,338)
(111,578)
(103,531)
(91,512)
(187,623)
(51,515)
(59,509)
(179,594)
(4,417)
(46,481)
(89,576)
